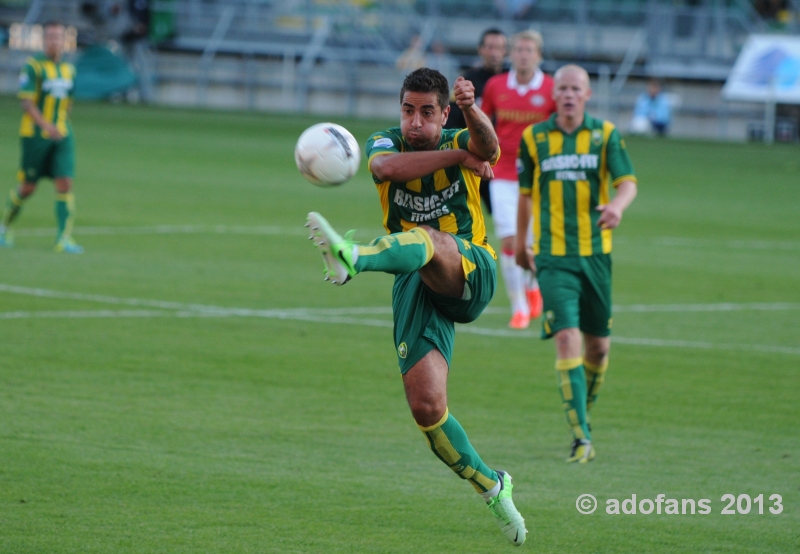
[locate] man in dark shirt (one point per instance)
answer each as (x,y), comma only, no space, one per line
(492,49)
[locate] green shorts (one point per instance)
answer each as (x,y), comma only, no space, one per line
(424,320)
(577,293)
(46,158)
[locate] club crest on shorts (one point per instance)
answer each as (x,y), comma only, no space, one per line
(402,350)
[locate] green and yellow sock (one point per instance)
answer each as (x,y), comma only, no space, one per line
(448,440)
(65,214)
(595,375)
(572,385)
(396,253)
(13,207)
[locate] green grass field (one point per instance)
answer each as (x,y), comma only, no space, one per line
(190,384)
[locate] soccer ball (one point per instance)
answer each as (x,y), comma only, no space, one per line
(327,154)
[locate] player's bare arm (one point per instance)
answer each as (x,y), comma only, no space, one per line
(612,212)
(407,166)
(523,253)
(483,139)
(30,108)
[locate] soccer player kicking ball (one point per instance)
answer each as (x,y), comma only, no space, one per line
(445,272)
(46,86)
(567,163)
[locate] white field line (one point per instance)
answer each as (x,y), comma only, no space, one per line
(78,314)
(378,310)
(172,230)
(120,314)
(731,244)
(717,307)
(298,230)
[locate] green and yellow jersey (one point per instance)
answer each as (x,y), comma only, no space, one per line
(568,176)
(447,200)
(50,85)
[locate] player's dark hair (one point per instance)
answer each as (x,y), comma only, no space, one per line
(490,31)
(52,23)
(427,80)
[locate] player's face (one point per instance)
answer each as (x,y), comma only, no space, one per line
(570,92)
(54,38)
(525,56)
(421,119)
(493,51)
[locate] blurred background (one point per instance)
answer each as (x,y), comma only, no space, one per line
(729,69)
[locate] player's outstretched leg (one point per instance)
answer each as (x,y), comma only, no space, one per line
(344,258)
(337,251)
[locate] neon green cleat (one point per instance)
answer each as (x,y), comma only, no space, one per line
(337,252)
(6,237)
(582,451)
(508,518)
(68,246)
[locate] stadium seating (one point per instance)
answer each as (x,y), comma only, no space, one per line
(291,55)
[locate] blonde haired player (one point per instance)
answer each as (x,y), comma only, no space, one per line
(515,100)
(567,164)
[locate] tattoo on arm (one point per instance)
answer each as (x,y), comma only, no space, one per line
(485,133)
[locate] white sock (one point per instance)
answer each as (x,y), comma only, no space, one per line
(491,493)
(515,283)
(355,254)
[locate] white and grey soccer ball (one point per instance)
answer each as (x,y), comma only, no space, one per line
(327,154)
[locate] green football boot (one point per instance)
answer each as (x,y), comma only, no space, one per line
(6,237)
(337,252)
(582,451)
(509,520)
(68,246)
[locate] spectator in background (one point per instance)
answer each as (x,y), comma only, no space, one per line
(441,60)
(139,13)
(652,111)
(514,9)
(412,57)
(492,50)
(772,10)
